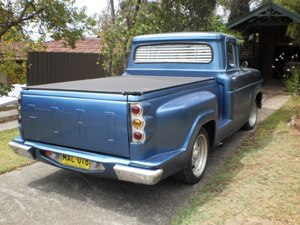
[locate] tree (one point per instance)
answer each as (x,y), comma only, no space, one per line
(236,8)
(20,19)
(137,17)
(60,19)
(293,30)
(186,15)
(112,11)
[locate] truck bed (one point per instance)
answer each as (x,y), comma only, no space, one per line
(134,85)
(86,120)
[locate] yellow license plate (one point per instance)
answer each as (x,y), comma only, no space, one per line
(75,162)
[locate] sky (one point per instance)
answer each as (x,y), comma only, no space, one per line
(93,6)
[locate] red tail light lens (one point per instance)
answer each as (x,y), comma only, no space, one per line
(136,110)
(48,153)
(138,136)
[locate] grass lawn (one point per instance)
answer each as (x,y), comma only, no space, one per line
(8,159)
(260,184)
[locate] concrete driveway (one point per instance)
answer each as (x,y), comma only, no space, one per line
(42,194)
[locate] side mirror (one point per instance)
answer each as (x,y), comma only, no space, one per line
(244,64)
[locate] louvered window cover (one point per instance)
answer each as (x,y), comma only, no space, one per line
(174,53)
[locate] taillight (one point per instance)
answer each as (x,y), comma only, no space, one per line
(138,135)
(52,155)
(48,153)
(137,123)
(19,109)
(136,110)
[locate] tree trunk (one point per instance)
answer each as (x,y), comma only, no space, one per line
(112,11)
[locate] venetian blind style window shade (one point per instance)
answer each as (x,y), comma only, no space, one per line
(177,53)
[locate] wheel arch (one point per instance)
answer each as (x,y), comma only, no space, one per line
(209,123)
(210,128)
(258,99)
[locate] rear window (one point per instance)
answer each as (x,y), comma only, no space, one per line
(173,53)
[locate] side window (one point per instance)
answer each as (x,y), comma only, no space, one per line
(231,56)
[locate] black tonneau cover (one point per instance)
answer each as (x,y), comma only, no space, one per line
(135,85)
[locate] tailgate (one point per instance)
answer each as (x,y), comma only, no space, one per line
(91,124)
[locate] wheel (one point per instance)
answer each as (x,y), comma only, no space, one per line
(197,161)
(252,120)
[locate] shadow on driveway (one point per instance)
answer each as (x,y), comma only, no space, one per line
(42,194)
(146,204)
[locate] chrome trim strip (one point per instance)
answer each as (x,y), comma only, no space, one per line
(137,175)
(96,157)
(21,149)
(184,53)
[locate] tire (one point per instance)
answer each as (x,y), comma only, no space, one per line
(197,161)
(252,120)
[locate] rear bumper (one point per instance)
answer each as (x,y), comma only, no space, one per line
(21,149)
(111,167)
(137,175)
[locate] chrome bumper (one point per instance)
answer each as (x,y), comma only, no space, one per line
(20,149)
(125,173)
(136,175)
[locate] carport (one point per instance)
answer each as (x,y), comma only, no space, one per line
(266,39)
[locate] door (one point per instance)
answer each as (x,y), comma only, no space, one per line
(241,87)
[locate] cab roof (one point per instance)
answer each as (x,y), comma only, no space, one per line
(182,36)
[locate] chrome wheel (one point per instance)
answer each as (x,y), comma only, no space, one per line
(252,119)
(199,155)
(253,115)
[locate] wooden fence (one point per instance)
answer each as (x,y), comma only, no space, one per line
(52,67)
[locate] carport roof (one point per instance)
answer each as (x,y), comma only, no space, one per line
(267,15)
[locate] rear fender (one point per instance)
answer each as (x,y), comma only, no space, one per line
(189,113)
(257,91)
(175,118)
(200,121)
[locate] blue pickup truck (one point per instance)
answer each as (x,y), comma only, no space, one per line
(181,95)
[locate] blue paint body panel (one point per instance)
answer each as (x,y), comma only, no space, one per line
(97,125)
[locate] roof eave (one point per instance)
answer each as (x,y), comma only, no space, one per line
(261,9)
